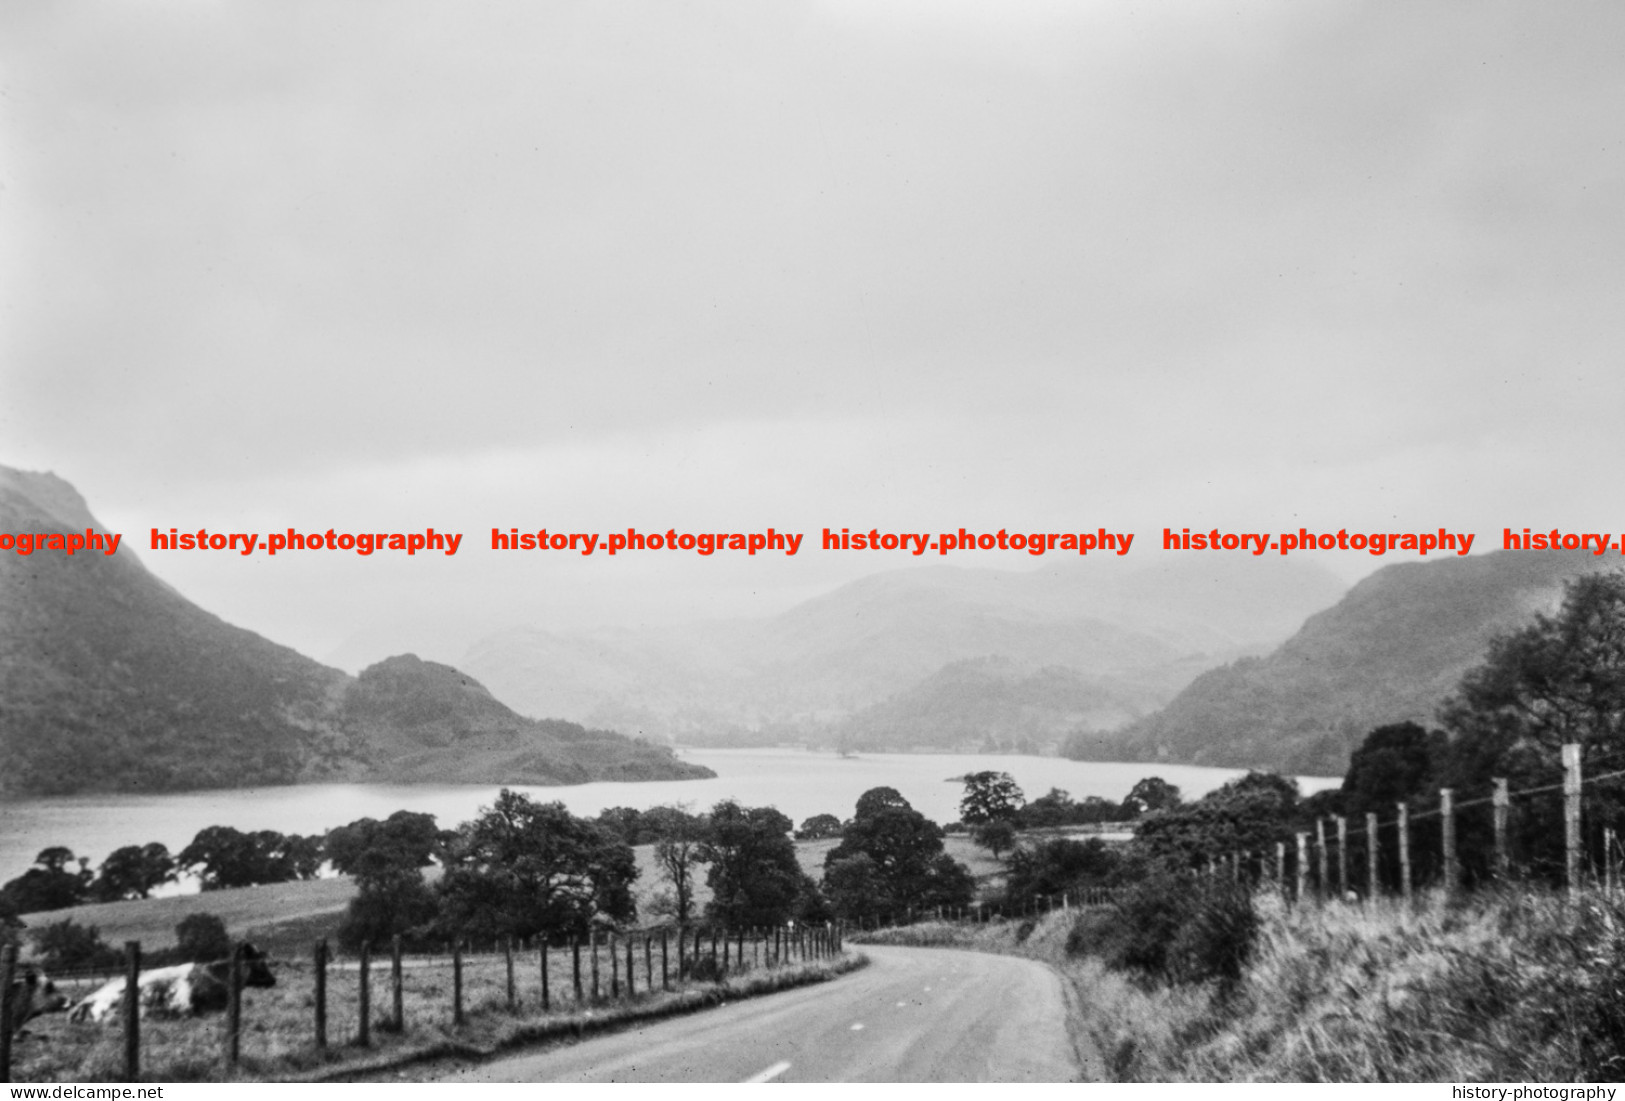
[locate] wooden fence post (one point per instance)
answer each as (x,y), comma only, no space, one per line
(1405,852)
(1280,866)
(1371,849)
(320,954)
(1503,804)
(665,975)
(132,1011)
(364,1033)
(8,971)
(397,995)
(614,968)
(457,982)
(1342,856)
(592,943)
(648,963)
(547,995)
(1320,857)
(1447,815)
(1571,816)
(739,955)
(631,967)
(507,952)
(1303,864)
(234,1007)
(575,964)
(724,949)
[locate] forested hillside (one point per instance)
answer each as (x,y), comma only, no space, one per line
(1390,651)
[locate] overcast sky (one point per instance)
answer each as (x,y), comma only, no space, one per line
(913,264)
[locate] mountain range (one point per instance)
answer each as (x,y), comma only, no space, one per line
(110,680)
(1390,651)
(1030,655)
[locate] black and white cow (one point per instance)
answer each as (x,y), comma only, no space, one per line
(185,989)
(31,995)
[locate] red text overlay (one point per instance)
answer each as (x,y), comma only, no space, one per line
(365,542)
(618,542)
(918,542)
(1598,543)
(27,542)
(1377,542)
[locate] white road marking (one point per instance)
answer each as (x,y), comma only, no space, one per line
(900,1005)
(857,1027)
(769,1074)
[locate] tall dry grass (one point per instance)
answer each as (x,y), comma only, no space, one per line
(1501,987)
(1512,986)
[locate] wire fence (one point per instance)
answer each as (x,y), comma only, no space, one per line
(333,999)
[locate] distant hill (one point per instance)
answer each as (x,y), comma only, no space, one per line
(1133,634)
(992,704)
(110,680)
(423,721)
(1389,651)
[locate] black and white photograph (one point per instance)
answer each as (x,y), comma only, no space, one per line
(773,541)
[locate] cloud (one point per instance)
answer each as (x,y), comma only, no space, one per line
(946,261)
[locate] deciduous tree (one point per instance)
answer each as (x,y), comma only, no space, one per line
(523,868)
(990,797)
(905,853)
(133,871)
(755,878)
(679,852)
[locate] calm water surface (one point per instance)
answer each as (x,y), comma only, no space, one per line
(799,783)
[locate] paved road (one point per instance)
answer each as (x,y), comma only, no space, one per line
(912,1015)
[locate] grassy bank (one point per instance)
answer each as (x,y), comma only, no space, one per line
(277,1040)
(1512,987)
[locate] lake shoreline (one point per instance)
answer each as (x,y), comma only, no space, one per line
(800,783)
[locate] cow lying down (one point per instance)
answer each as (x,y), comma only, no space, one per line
(185,989)
(31,995)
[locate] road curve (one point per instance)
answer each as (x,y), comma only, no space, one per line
(912,1015)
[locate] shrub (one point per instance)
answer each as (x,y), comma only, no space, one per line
(401,905)
(1217,938)
(65,946)
(200,938)
(1173,927)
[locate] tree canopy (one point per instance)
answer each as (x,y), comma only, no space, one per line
(903,862)
(523,868)
(990,797)
(1560,679)
(223,856)
(49,885)
(1248,814)
(134,871)
(818,827)
(755,878)
(1151,793)
(370,849)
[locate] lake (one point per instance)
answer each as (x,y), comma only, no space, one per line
(799,783)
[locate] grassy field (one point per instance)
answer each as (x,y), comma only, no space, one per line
(1497,987)
(286,919)
(278,1040)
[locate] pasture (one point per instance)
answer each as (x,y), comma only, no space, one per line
(286,919)
(279,1039)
